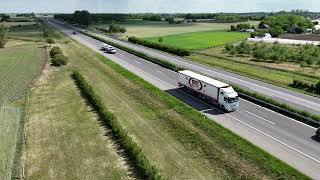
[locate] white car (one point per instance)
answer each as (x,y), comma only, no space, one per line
(106,47)
(112,50)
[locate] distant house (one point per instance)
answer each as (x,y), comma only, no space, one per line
(264,26)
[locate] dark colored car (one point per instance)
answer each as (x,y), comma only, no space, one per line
(74,32)
(318,133)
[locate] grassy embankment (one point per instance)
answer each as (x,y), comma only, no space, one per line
(174,136)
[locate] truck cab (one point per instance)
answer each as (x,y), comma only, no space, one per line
(228,99)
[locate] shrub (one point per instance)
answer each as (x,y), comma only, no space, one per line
(132,149)
(243,48)
(59,60)
(55,50)
(165,48)
(228,47)
(317,88)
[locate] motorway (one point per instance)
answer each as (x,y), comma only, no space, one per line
(299,100)
(285,138)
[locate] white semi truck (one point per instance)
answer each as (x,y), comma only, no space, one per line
(213,91)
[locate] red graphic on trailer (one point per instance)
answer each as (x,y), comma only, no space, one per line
(195,84)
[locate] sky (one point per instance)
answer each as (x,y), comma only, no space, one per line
(155,6)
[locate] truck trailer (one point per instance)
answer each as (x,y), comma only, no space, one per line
(211,90)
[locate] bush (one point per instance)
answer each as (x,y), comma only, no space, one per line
(132,149)
(165,48)
(317,88)
(228,47)
(59,60)
(55,50)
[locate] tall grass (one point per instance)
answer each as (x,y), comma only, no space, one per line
(9,131)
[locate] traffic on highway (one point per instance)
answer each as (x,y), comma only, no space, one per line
(291,141)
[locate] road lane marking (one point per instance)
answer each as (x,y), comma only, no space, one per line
(260,117)
(275,139)
(160,72)
(271,137)
(281,115)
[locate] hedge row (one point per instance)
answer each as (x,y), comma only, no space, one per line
(133,150)
(161,47)
(315,88)
(278,104)
(177,68)
(160,62)
(58,59)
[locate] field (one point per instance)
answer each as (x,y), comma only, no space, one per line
(201,40)
(9,131)
(144,29)
(21,62)
(19,66)
(173,135)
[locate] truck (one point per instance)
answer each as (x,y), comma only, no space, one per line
(211,90)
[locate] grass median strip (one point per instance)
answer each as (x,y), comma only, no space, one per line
(133,150)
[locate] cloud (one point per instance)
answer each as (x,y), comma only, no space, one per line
(160,6)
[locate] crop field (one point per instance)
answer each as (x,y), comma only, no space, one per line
(9,128)
(201,40)
(19,66)
(30,33)
(144,29)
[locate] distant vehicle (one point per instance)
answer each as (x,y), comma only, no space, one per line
(112,50)
(108,48)
(318,133)
(212,91)
(74,32)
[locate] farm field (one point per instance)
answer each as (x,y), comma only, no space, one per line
(144,29)
(175,137)
(201,40)
(19,66)
(10,117)
(21,62)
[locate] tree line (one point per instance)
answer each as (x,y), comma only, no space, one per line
(306,55)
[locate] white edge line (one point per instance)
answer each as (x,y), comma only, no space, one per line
(260,117)
(275,139)
(281,115)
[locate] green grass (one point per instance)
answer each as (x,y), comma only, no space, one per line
(173,135)
(9,132)
(19,66)
(201,40)
(143,29)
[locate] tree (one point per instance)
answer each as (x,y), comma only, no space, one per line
(276,31)
(233,28)
(169,19)
(160,39)
(50,41)
(59,59)
(4,29)
(115,28)
(82,17)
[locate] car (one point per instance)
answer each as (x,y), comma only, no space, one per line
(105,47)
(112,50)
(318,133)
(74,32)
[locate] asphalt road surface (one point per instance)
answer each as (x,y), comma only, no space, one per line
(287,139)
